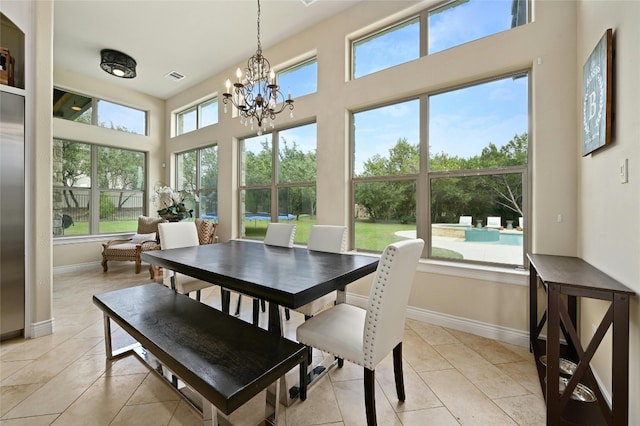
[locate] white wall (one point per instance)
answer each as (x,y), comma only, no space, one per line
(608,225)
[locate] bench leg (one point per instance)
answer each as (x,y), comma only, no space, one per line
(272,403)
(111,354)
(209,413)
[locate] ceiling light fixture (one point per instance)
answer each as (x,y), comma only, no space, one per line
(256,94)
(76,107)
(117,63)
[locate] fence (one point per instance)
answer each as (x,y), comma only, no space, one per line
(114,205)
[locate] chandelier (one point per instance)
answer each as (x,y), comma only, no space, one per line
(256,94)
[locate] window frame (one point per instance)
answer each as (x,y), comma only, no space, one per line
(274,186)
(94,191)
(94,105)
(197,107)
(198,177)
(424,177)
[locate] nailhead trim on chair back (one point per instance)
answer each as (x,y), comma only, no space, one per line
(384,324)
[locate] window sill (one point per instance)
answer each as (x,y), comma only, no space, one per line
(81,239)
(505,275)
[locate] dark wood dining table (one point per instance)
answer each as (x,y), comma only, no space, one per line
(288,277)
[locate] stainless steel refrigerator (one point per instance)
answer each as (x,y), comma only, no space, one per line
(12,215)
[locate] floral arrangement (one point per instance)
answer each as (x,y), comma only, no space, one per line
(171,203)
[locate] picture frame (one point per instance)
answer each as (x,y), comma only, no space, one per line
(597,78)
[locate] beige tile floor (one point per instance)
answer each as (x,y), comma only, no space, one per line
(451,377)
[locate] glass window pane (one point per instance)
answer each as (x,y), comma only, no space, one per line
(75,168)
(297,154)
(186,171)
(387,48)
(208,191)
(385,212)
(120,169)
(119,210)
(119,117)
(480,126)
(299,80)
(462,21)
(71,206)
(298,205)
(256,205)
(71,106)
(208,113)
(387,140)
(187,121)
(256,160)
(494,204)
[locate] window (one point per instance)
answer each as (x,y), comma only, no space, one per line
(385,173)
(300,79)
(98,112)
(197,172)
(452,24)
(96,189)
(475,175)
(462,21)
(196,117)
(391,46)
(278,181)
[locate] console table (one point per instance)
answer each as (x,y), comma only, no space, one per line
(573,278)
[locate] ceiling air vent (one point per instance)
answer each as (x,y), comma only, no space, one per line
(175,76)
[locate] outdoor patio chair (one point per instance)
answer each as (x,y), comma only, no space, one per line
(366,336)
(130,249)
(494,222)
(465,220)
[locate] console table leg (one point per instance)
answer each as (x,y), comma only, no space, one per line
(553,353)
(620,361)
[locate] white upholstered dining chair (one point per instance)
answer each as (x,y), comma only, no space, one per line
(177,235)
(330,239)
(366,336)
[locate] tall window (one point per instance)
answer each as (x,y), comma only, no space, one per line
(300,79)
(446,26)
(97,189)
(278,181)
(197,172)
(98,112)
(198,116)
(475,173)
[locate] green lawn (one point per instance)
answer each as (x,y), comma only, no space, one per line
(373,236)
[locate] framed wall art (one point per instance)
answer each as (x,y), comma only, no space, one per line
(597,76)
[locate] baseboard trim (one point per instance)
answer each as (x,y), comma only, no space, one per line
(42,328)
(491,331)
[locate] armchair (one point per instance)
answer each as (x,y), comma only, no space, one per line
(130,249)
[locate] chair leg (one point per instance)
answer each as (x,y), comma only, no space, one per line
(370,396)
(105,268)
(198,295)
(340,362)
(263,305)
(256,309)
(238,305)
(225,300)
(287,314)
(397,370)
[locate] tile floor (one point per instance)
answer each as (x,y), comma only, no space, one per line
(451,377)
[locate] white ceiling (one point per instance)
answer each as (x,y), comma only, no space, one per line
(196,38)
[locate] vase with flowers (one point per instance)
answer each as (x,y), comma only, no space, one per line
(171,204)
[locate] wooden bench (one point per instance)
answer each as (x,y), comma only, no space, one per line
(223,359)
